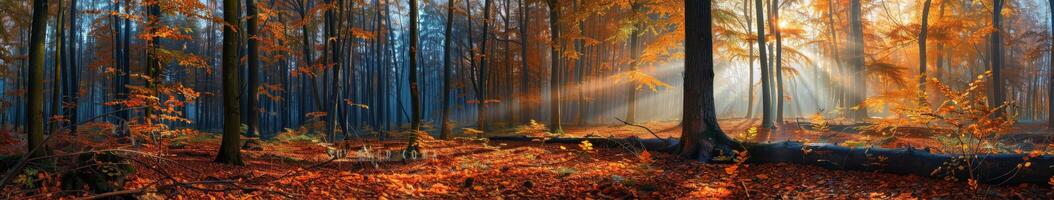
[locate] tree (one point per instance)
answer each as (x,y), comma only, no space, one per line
(72,71)
(153,60)
(922,48)
(856,56)
(332,60)
(56,101)
(1050,86)
(253,59)
(766,94)
(35,97)
(447,126)
(230,146)
(554,79)
(996,45)
(415,96)
(634,48)
(774,7)
(701,136)
(481,76)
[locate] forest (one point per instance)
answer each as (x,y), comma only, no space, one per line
(526,99)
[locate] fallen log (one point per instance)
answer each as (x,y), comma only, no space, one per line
(997,169)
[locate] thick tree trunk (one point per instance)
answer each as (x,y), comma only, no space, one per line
(634,48)
(447,127)
(859,71)
(766,94)
(1050,85)
(230,146)
(701,135)
(555,70)
(35,97)
(253,59)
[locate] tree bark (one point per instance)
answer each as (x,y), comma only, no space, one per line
(634,48)
(35,97)
(230,146)
(922,48)
(56,88)
(774,25)
(253,59)
(766,94)
(1050,85)
(702,138)
(415,97)
(998,91)
(447,126)
(554,79)
(859,91)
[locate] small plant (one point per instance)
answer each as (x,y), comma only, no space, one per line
(586,146)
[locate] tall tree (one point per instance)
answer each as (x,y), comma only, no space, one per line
(56,88)
(1050,86)
(856,56)
(230,147)
(766,94)
(153,60)
(481,76)
(922,47)
(701,136)
(998,91)
(447,126)
(332,61)
(634,48)
(72,85)
(774,25)
(35,97)
(750,62)
(554,79)
(253,58)
(415,96)
(525,16)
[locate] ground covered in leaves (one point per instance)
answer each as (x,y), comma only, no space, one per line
(473,169)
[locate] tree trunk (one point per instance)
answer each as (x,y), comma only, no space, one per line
(481,88)
(72,71)
(253,59)
(859,91)
(35,97)
(1050,85)
(702,138)
(56,88)
(998,91)
(634,48)
(766,94)
(447,126)
(774,25)
(750,61)
(922,49)
(554,79)
(230,146)
(415,97)
(152,57)
(525,90)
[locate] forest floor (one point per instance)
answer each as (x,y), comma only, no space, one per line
(468,168)
(471,169)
